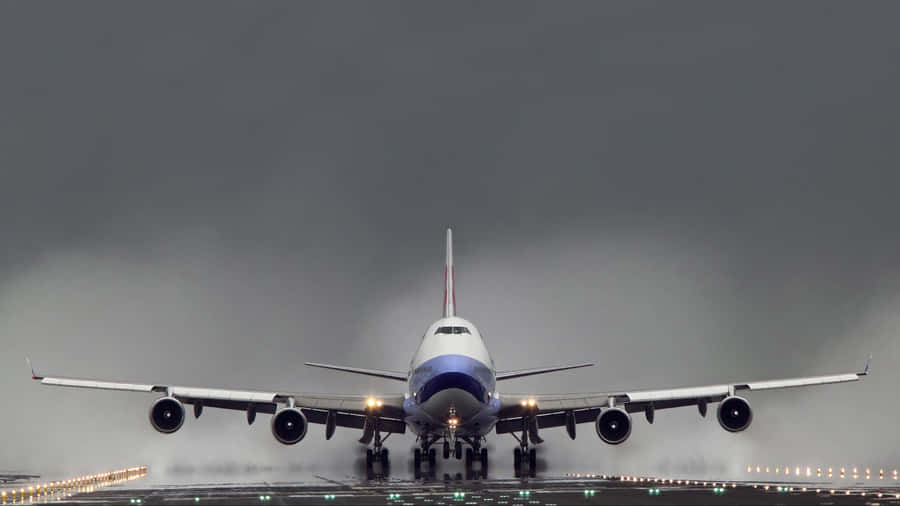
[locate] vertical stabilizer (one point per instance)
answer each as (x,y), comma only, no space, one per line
(449,293)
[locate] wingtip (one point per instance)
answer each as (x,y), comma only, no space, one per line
(34,375)
(865,371)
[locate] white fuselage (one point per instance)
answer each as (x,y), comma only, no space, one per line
(452,376)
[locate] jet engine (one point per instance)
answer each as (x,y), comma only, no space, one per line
(613,426)
(734,414)
(167,414)
(289,426)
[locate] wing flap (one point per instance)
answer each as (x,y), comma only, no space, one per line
(677,393)
(245,396)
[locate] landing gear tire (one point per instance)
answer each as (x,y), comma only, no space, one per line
(384,457)
(484,463)
(446,450)
(432,460)
(517,462)
(457,450)
(370,458)
(470,457)
(417,463)
(532,462)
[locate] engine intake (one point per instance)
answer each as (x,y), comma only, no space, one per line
(734,414)
(289,426)
(613,426)
(167,414)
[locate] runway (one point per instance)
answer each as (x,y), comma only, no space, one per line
(576,489)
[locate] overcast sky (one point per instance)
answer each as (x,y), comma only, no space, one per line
(212,193)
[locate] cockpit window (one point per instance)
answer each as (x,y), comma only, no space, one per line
(452,330)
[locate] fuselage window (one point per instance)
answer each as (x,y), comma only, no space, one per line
(452,330)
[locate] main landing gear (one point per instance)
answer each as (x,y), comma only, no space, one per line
(524,457)
(481,457)
(527,457)
(476,454)
(377,454)
(428,454)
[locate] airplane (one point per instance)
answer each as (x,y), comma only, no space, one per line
(7,477)
(451,398)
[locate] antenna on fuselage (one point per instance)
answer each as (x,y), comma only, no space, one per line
(449,293)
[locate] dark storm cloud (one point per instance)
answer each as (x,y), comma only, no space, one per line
(213,193)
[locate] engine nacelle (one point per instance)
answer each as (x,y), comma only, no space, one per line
(613,425)
(734,414)
(167,414)
(289,426)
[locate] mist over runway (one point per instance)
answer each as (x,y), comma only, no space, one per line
(683,193)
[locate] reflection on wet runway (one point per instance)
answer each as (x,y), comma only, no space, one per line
(581,488)
(34,493)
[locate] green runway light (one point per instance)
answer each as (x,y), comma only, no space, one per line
(196,499)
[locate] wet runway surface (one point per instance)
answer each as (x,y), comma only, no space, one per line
(589,489)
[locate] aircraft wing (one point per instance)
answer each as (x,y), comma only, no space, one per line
(556,410)
(347,410)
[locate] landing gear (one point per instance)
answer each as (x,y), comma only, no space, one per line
(476,454)
(523,455)
(426,453)
(377,454)
(417,463)
(446,450)
(457,450)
